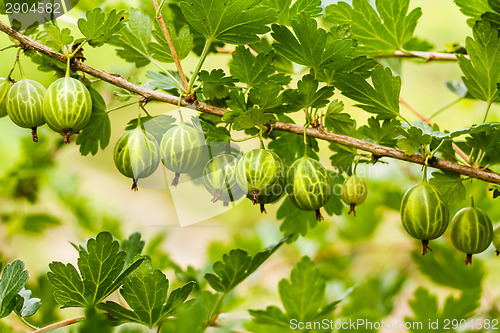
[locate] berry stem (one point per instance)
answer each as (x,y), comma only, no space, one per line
(319,217)
(34,135)
(216,196)
(67,135)
(352,209)
(135,187)
(175,181)
(263,209)
(470,193)
(261,140)
(14,65)
(425,247)
(468,260)
(255,196)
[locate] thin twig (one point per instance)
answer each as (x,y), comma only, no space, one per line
(377,150)
(60,324)
(428,120)
(163,26)
(427,56)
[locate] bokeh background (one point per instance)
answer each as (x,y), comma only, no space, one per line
(369,256)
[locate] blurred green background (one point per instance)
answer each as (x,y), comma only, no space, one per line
(80,196)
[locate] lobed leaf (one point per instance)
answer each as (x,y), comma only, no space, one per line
(101,266)
(288,10)
(133,40)
(235,22)
(380,30)
(99,28)
(97,132)
(450,185)
(482,73)
(182,40)
(381,98)
(310,46)
(236,266)
(215,84)
(13,279)
(307,95)
(145,290)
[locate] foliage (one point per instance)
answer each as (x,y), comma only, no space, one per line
(291,63)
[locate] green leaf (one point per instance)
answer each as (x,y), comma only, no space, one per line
(446,268)
(97,132)
(254,70)
(132,247)
(495,5)
(307,95)
(482,73)
(450,185)
(99,28)
(417,44)
(378,31)
(486,142)
(374,297)
(303,294)
(380,133)
(425,307)
(302,297)
(473,8)
(39,222)
(162,81)
(236,266)
(295,221)
(27,306)
(472,130)
(57,39)
(414,139)
(145,290)
(234,22)
(14,277)
(268,95)
(310,46)
(289,147)
(101,265)
(286,10)
(214,133)
(342,157)
(133,40)
(215,84)
(496,190)
(156,126)
(183,43)
(272,315)
(254,118)
(381,98)
(338,121)
(95,322)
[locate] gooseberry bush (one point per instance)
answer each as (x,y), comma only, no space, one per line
(317,87)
